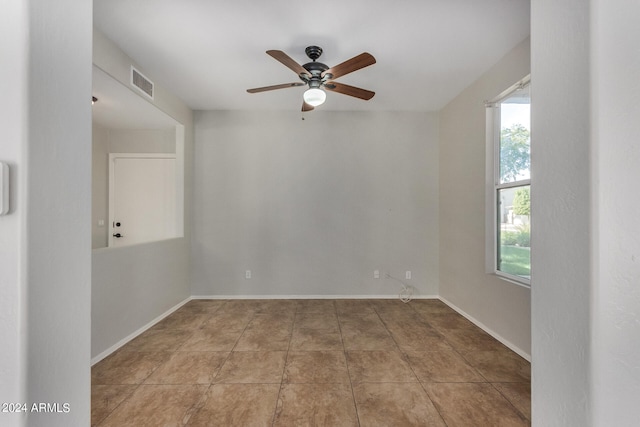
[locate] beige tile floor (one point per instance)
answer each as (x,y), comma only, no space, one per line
(312,363)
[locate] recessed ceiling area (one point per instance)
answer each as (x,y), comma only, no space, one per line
(208,52)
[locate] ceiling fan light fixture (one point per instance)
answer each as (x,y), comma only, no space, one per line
(314,96)
(319,76)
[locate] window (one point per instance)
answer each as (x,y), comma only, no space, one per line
(509,183)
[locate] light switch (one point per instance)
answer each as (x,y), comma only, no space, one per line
(4,188)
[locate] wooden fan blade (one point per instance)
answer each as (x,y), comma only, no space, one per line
(349,90)
(357,62)
(285,59)
(306,107)
(274,87)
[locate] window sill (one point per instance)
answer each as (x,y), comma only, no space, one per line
(516,280)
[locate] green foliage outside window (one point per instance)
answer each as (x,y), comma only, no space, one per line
(522,201)
(514,152)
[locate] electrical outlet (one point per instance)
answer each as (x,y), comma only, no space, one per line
(407,274)
(376,274)
(247,274)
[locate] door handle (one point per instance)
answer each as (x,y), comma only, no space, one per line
(118,235)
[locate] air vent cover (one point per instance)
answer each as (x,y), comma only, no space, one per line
(141,82)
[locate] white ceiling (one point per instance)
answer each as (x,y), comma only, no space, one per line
(208,52)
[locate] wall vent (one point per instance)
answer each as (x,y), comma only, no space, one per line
(141,82)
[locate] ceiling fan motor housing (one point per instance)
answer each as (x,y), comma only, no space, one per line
(314,68)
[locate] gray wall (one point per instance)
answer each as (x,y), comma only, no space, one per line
(502,307)
(133,286)
(45,263)
(314,206)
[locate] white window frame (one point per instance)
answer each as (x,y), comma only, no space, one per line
(493,184)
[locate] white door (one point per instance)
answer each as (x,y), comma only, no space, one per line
(142,198)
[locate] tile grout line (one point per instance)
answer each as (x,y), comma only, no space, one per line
(452,347)
(486,381)
(420,382)
(284,368)
(204,398)
(509,400)
(138,385)
(404,356)
(118,405)
(344,354)
(422,386)
(194,409)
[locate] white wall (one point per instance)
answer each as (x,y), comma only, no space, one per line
(44,245)
(314,206)
(134,285)
(616,212)
(560,197)
(13,119)
(502,307)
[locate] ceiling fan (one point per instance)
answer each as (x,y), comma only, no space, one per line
(317,76)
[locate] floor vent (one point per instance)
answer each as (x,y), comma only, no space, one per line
(141,82)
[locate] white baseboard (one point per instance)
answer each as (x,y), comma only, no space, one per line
(482,326)
(239,297)
(128,338)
